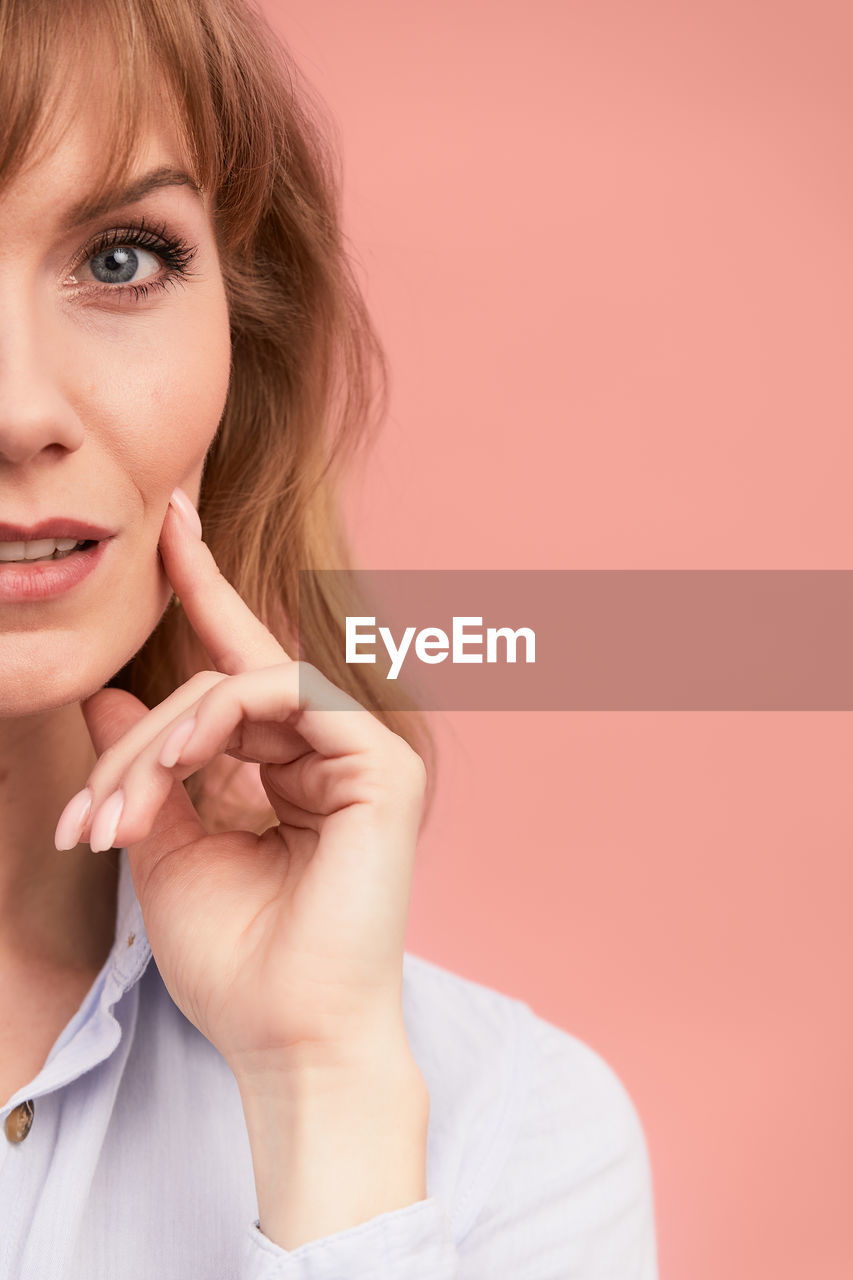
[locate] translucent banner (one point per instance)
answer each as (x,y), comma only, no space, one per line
(598,640)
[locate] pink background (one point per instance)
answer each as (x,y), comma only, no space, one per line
(609,248)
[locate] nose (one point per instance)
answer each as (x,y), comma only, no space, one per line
(36,417)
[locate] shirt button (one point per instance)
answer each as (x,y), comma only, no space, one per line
(19,1121)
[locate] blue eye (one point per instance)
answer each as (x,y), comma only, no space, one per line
(134,260)
(123,264)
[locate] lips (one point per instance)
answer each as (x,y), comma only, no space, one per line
(55,527)
(31,582)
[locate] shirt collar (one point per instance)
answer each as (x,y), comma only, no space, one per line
(131,950)
(94,1031)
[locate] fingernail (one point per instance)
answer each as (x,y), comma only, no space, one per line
(106,822)
(170,752)
(185,509)
(72,820)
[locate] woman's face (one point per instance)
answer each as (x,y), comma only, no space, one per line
(114,363)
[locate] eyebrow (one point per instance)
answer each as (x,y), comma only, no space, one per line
(166,176)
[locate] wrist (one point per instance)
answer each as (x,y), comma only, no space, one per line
(334,1148)
(372,1041)
(317,1085)
(326,1065)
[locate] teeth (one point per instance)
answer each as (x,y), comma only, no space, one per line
(43,549)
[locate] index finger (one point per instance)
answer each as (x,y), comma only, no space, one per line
(233,636)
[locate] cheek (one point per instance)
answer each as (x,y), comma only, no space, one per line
(152,399)
(171,405)
(157,429)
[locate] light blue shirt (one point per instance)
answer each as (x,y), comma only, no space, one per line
(137,1165)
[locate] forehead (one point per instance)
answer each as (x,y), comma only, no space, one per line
(90,124)
(61,189)
(64,188)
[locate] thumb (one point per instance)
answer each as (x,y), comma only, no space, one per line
(109,714)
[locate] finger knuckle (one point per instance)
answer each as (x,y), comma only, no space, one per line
(204,680)
(412,766)
(106,767)
(396,770)
(310,681)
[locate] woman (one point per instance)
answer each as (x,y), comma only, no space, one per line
(283,1091)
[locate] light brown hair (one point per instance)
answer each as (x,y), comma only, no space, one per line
(308,376)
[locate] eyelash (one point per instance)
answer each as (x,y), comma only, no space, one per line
(175,253)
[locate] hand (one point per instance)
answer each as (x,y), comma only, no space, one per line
(284,947)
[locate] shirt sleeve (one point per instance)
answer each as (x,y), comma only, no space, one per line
(414,1243)
(572,1200)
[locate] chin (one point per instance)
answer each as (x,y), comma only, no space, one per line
(28,690)
(46,669)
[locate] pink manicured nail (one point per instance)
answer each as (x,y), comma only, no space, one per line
(106,821)
(170,752)
(185,509)
(72,820)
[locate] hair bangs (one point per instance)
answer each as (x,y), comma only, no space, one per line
(139,63)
